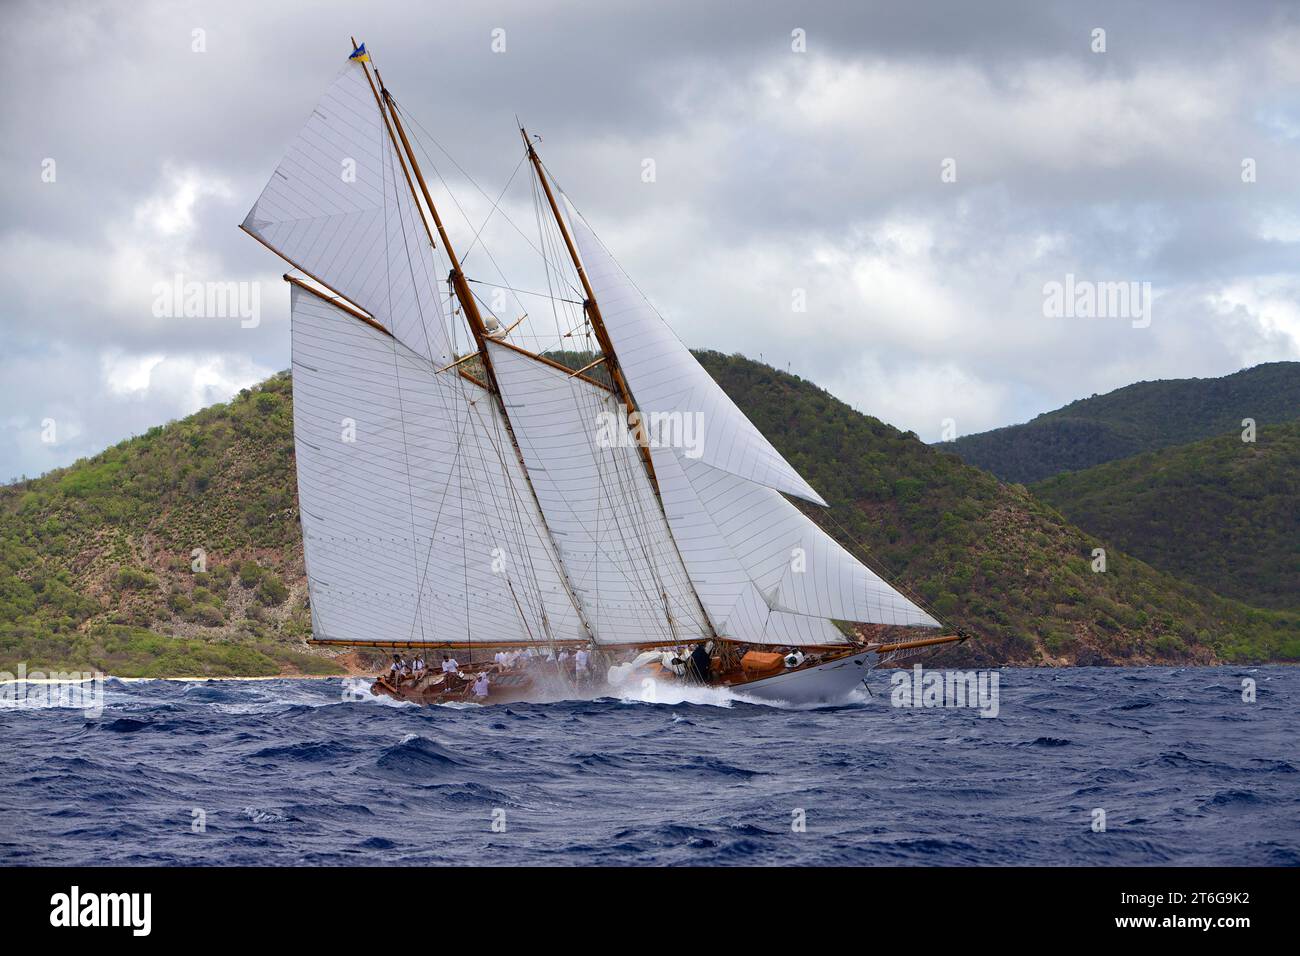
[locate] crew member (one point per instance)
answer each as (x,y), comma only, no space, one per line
(699,666)
(481,685)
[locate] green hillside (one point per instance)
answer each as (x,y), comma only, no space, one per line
(1138,418)
(1221,512)
(95,559)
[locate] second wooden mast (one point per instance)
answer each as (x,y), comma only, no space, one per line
(634,419)
(592,308)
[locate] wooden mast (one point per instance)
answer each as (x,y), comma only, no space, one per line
(384,100)
(592,308)
(457,278)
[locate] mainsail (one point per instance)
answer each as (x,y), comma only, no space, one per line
(417,521)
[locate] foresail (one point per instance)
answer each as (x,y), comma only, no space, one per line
(598,504)
(339,208)
(417,521)
(741,541)
(733,601)
(666,378)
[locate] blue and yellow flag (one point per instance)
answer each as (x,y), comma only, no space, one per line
(360,54)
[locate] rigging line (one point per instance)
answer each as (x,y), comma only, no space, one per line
(541,237)
(622,482)
(541,533)
(465,256)
(543,295)
(462,171)
(460,473)
(586,527)
(401,414)
(456,202)
(420,609)
(521,540)
(652,520)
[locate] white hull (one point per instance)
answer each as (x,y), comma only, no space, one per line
(829,683)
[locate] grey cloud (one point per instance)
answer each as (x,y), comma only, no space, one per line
(775,171)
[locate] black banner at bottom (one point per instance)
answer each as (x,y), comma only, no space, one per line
(305,905)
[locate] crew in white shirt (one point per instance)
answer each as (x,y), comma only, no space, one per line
(481,685)
(449,665)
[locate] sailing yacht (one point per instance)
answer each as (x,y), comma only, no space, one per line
(461,491)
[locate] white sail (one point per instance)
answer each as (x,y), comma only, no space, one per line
(338,207)
(736,536)
(599,505)
(418,524)
(731,597)
(665,377)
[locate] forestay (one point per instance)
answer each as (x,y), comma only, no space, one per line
(338,207)
(418,524)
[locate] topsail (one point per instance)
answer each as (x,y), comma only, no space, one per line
(339,209)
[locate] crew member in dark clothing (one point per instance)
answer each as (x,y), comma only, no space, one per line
(698,665)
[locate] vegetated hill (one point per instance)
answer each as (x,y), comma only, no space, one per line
(1221,512)
(1137,418)
(95,559)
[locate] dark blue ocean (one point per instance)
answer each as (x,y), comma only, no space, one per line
(300,772)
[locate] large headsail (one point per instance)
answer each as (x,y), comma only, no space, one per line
(736,606)
(742,541)
(339,208)
(417,522)
(598,503)
(665,377)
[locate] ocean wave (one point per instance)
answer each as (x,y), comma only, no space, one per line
(322,772)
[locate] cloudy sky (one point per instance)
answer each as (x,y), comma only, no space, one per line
(776,171)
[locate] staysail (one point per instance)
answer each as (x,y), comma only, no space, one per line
(666,378)
(339,208)
(417,522)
